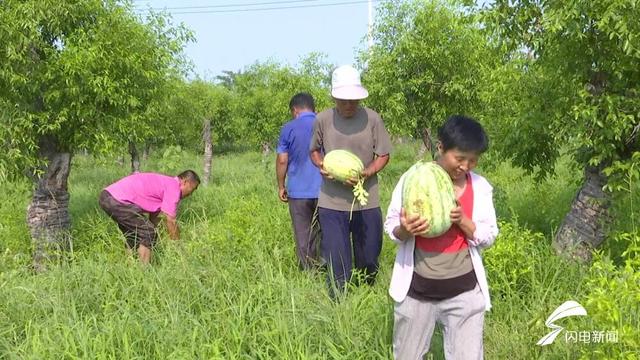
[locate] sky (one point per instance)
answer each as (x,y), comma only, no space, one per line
(235,40)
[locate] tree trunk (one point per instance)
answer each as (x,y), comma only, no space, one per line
(426,149)
(135,157)
(208,151)
(145,151)
(48,213)
(585,226)
(266,149)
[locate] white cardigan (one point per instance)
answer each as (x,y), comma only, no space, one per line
(484,217)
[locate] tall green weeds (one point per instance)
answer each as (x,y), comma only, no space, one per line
(231,288)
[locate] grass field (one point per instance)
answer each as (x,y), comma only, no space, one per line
(231,289)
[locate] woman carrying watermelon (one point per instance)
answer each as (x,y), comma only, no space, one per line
(441,217)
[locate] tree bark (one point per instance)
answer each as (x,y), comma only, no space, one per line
(135,157)
(585,226)
(48,213)
(208,151)
(426,149)
(266,149)
(145,151)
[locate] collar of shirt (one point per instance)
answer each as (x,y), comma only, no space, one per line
(306,114)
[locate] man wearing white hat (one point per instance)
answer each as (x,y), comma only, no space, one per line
(349,126)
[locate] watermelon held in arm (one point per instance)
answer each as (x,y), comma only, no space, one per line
(343,165)
(427,191)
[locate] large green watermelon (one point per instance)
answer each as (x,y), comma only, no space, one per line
(342,165)
(428,191)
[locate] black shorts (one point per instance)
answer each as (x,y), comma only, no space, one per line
(131,219)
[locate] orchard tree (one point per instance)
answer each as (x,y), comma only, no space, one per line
(261,96)
(199,115)
(429,61)
(74,75)
(573,67)
(316,69)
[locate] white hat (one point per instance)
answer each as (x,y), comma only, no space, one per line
(346,85)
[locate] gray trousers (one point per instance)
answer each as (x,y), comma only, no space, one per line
(462,319)
(306,231)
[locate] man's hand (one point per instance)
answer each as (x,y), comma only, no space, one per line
(364,174)
(318,160)
(368,172)
(282,194)
(172,228)
(324,172)
(352,181)
(410,226)
(282,164)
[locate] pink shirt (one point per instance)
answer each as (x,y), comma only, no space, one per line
(151,192)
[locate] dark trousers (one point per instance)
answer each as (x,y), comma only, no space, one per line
(306,231)
(336,245)
(131,220)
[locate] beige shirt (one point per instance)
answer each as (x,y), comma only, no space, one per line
(364,135)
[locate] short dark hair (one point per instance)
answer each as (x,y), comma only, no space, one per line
(302,100)
(189,175)
(463,133)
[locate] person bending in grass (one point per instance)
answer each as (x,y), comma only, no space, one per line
(130,199)
(442,279)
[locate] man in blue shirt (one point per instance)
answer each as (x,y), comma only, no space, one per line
(303,178)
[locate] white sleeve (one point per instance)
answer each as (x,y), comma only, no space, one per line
(393,211)
(484,217)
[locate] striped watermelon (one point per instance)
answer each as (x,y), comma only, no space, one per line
(342,165)
(428,191)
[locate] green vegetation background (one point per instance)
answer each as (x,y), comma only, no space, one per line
(231,288)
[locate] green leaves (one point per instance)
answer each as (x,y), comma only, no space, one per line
(83,72)
(179,120)
(579,60)
(246,108)
(428,62)
(262,93)
(613,312)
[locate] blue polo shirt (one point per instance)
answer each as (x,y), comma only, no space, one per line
(303,178)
